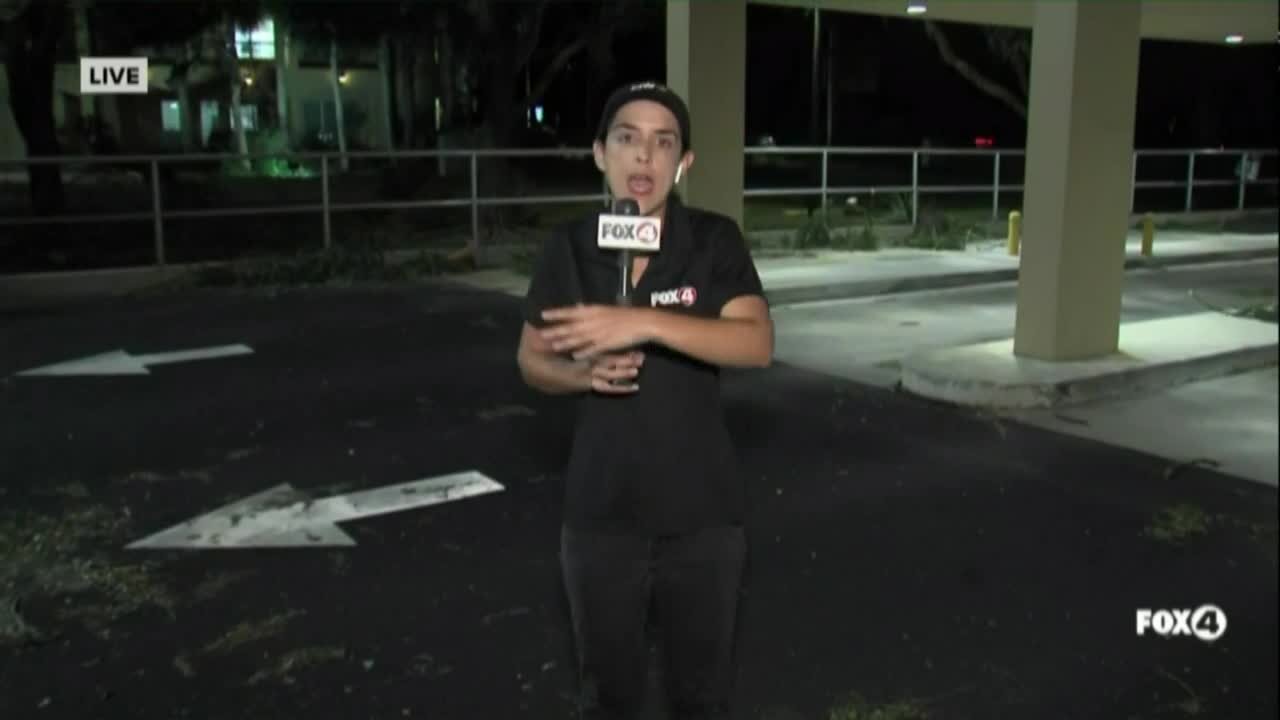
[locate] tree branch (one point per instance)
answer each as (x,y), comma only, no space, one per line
(50,26)
(553,69)
(529,37)
(1014,48)
(971,73)
(11,9)
(479,11)
(594,34)
(1020,72)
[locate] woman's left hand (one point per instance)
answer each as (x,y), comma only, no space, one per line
(590,330)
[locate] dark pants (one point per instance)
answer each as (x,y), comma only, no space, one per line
(691,582)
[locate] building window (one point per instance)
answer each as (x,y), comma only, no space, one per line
(320,120)
(249,117)
(170,115)
(350,55)
(209,115)
(258,43)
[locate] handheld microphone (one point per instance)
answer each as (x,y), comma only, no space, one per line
(625,229)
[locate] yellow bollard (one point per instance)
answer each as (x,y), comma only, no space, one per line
(1015,231)
(1148,234)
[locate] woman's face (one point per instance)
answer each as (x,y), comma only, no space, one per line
(641,153)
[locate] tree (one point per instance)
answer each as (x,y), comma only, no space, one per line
(32,31)
(506,36)
(1011,47)
(125,26)
(337,26)
(421,58)
(517,50)
(29,40)
(284,61)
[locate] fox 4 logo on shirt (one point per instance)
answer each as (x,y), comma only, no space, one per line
(1207,622)
(685,296)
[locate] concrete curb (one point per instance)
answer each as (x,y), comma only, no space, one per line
(35,290)
(56,289)
(1032,395)
(944,281)
(1155,355)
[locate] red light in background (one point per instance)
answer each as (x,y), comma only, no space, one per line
(983,141)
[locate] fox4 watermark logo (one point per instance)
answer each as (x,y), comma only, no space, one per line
(1207,622)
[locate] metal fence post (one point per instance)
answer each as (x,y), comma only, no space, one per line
(915,186)
(1133,183)
(155,211)
(1244,169)
(474,242)
(1191,177)
(995,191)
(824,183)
(324,201)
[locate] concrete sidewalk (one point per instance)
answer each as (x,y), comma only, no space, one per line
(1152,355)
(836,275)
(833,274)
(1190,388)
(1185,385)
(807,276)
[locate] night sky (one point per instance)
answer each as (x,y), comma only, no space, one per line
(896,88)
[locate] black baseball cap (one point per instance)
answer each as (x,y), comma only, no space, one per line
(655,91)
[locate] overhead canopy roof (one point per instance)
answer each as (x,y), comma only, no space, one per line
(1198,21)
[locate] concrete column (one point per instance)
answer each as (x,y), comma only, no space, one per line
(706,64)
(1083,97)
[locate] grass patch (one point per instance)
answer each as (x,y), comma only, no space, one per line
(943,230)
(1258,304)
(1264,311)
(523,258)
(322,267)
(843,225)
(1263,533)
(773,253)
(862,239)
(1246,222)
(295,660)
(73,490)
(820,231)
(1178,524)
(842,212)
(815,233)
(248,632)
(46,556)
(338,266)
(1191,705)
(857,708)
(1183,225)
(214,584)
(127,587)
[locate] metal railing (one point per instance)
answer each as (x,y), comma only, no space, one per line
(1248,160)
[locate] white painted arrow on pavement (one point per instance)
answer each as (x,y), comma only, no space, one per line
(120,362)
(284,517)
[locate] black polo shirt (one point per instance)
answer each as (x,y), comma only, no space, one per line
(657,461)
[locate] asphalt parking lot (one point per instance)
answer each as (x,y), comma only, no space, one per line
(908,557)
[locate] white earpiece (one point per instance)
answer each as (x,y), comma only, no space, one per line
(679,169)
